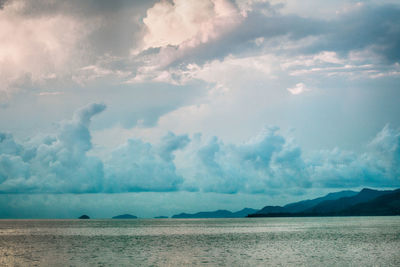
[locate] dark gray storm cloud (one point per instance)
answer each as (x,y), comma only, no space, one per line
(115,26)
(78,8)
(2,3)
(375,27)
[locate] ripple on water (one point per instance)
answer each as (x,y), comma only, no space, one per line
(340,241)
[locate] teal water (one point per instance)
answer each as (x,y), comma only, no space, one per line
(328,241)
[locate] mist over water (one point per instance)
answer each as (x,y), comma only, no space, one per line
(328,241)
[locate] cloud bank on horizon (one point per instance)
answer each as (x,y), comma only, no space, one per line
(187,85)
(267,163)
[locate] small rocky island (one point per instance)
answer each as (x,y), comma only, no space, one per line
(84,217)
(125,216)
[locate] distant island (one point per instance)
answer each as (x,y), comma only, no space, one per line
(84,217)
(125,216)
(367,202)
(161,217)
(217,214)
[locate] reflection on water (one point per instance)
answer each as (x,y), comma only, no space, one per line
(331,241)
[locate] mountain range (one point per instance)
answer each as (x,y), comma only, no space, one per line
(345,203)
(367,202)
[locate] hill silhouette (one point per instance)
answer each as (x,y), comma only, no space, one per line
(217,214)
(125,216)
(345,203)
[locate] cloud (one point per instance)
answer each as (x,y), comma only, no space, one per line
(244,57)
(262,165)
(387,145)
(50,93)
(36,55)
(261,28)
(175,30)
(58,164)
(34,51)
(94,51)
(75,7)
(2,3)
(187,23)
(298,89)
(268,163)
(168,35)
(139,166)
(373,27)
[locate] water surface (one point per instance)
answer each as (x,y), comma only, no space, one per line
(317,241)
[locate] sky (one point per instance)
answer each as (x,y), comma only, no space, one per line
(160,107)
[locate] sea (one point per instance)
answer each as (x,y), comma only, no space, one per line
(312,241)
